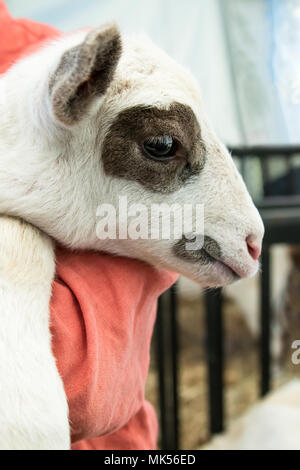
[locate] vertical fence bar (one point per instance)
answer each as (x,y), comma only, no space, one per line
(291,188)
(167,364)
(265,322)
(214,331)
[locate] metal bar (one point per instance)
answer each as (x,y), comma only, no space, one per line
(281,225)
(264,151)
(292,177)
(214,331)
(265,319)
(167,364)
(160,369)
(175,363)
(265,167)
(279,201)
(243,168)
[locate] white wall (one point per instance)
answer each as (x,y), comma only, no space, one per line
(191,31)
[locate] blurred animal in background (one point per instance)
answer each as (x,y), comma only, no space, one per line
(272,424)
(289,308)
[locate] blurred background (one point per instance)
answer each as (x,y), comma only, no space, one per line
(245,54)
(216,353)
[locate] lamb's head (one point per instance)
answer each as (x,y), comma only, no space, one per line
(91,119)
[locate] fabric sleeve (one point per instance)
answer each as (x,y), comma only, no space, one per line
(140,433)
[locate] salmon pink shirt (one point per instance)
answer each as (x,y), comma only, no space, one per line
(102,315)
(103,311)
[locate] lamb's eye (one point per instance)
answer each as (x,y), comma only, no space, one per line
(160,148)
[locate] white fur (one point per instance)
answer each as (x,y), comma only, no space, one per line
(272,424)
(52,177)
(33,407)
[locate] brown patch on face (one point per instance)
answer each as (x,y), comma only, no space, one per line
(211,251)
(123,154)
(84,71)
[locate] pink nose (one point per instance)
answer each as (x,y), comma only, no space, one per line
(254,247)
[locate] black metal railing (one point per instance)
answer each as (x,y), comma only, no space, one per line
(279,205)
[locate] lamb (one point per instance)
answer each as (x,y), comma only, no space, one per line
(84,120)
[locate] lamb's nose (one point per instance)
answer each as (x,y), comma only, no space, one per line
(254,247)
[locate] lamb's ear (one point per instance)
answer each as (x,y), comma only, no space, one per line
(84,72)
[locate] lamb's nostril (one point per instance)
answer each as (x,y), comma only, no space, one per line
(254,247)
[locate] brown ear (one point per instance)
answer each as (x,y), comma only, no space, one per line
(84,72)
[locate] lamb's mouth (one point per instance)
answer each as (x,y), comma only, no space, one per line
(209,254)
(221,267)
